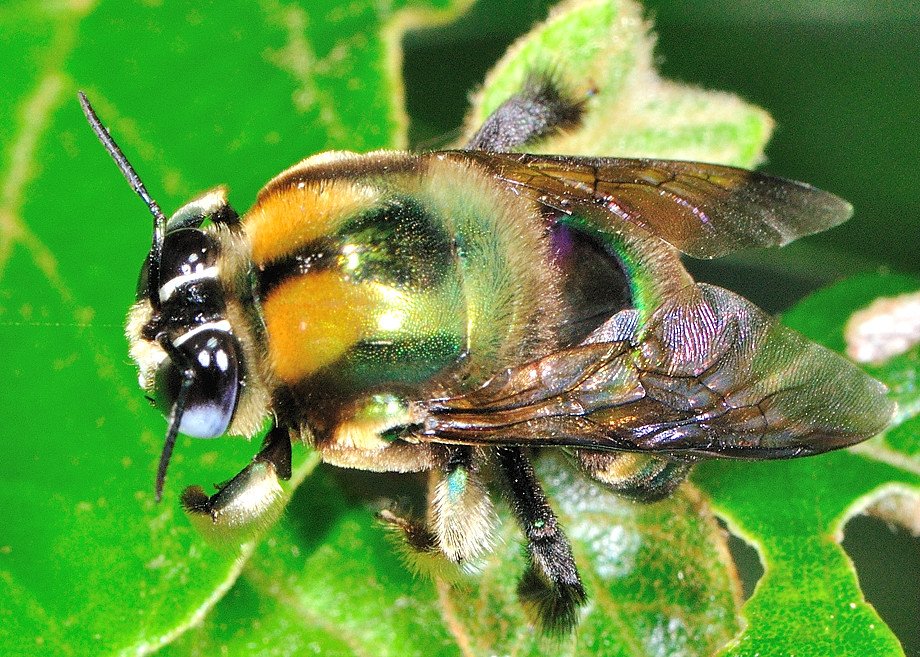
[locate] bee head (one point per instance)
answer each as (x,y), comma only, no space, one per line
(189,359)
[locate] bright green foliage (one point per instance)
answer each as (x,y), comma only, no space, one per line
(607,59)
(233,92)
(809,602)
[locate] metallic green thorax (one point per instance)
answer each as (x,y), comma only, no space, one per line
(457,276)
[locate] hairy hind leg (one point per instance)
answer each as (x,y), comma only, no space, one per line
(460,519)
(539,109)
(551,588)
(636,476)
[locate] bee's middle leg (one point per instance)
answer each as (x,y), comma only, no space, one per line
(460,519)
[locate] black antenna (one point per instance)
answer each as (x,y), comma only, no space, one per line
(153,284)
(159,219)
(178,408)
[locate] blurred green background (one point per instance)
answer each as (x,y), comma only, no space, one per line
(842,81)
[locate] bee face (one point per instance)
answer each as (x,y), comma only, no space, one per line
(191,362)
(188,330)
(447,312)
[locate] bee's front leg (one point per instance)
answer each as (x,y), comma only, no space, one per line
(253,497)
(551,588)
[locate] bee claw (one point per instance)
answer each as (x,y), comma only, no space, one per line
(195,500)
(415,534)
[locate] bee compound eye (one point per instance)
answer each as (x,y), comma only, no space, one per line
(143,281)
(187,253)
(213,359)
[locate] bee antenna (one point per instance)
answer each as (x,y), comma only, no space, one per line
(175,415)
(159,219)
(165,455)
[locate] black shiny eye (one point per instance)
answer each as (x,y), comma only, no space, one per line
(187,252)
(143,281)
(213,358)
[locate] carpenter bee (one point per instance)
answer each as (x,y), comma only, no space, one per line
(450,312)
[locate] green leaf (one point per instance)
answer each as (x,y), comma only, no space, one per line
(602,51)
(203,94)
(197,95)
(329,577)
(808,601)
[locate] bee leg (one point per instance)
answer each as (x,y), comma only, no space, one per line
(253,497)
(460,510)
(415,535)
(535,112)
(638,477)
(551,588)
(460,514)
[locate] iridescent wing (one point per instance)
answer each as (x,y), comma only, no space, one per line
(709,374)
(704,210)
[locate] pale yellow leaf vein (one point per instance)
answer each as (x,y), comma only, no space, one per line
(196,616)
(881,452)
(21,170)
(449,614)
(299,60)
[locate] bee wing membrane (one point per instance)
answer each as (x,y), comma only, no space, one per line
(704,210)
(710,374)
